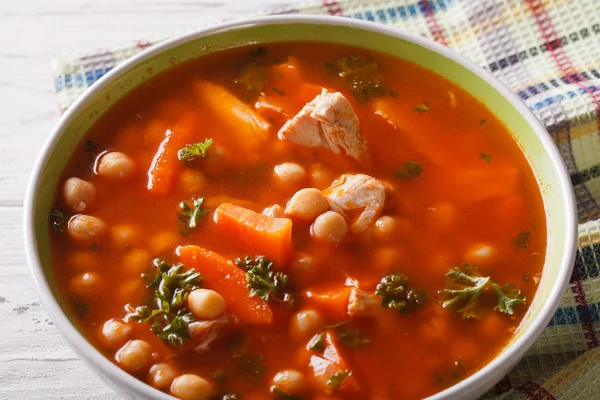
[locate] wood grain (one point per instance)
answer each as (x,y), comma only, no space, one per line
(35,361)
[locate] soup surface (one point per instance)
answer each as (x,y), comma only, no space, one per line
(298,220)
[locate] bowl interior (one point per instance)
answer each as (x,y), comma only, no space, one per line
(107,92)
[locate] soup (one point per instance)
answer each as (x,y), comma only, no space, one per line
(298,220)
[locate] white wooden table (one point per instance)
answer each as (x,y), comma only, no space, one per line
(35,361)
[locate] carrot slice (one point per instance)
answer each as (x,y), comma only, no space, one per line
(229,281)
(260,234)
(333,303)
(245,129)
(330,363)
(166,164)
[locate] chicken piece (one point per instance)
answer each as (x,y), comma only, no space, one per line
(328,121)
(361,303)
(207,331)
(353,192)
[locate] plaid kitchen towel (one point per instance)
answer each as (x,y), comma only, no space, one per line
(547,51)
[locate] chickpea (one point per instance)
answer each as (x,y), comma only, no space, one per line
(303,268)
(191,387)
(191,180)
(307,204)
(82,260)
(329,227)
(275,211)
(78,194)
(116,332)
(163,241)
(124,235)
(137,261)
(305,324)
(321,177)
(385,227)
(85,285)
(289,173)
(161,376)
(134,356)
(115,165)
(289,381)
(206,304)
(85,228)
(481,253)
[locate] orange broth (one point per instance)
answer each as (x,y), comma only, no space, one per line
(460,199)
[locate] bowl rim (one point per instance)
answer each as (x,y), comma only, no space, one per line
(474,385)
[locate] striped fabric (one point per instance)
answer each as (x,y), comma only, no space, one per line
(547,51)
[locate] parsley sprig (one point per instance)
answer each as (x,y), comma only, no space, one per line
(190,216)
(169,314)
(396,293)
(264,282)
(335,380)
(467,287)
(192,151)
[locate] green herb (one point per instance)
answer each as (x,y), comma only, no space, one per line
(410,170)
(364,89)
(482,121)
(423,107)
(94,246)
(258,52)
(169,316)
(486,157)
(526,277)
(317,343)
(280,394)
(467,287)
(352,338)
(127,249)
(191,151)
(89,146)
(279,92)
(250,365)
(220,376)
(334,326)
(451,375)
(57,220)
(189,216)
(396,293)
(80,309)
(355,65)
(264,282)
(393,94)
(522,240)
(335,380)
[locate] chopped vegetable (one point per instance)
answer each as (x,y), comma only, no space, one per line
(335,380)
(329,367)
(57,220)
(89,146)
(397,294)
(486,157)
(279,92)
(191,151)
(258,233)
(423,107)
(364,89)
(522,240)
(410,170)
(333,303)
(169,315)
(317,343)
(467,288)
(361,74)
(230,282)
(264,282)
(189,216)
(165,165)
(220,376)
(361,303)
(229,396)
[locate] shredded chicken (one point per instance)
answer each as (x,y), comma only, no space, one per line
(274,211)
(207,331)
(361,303)
(354,192)
(328,121)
